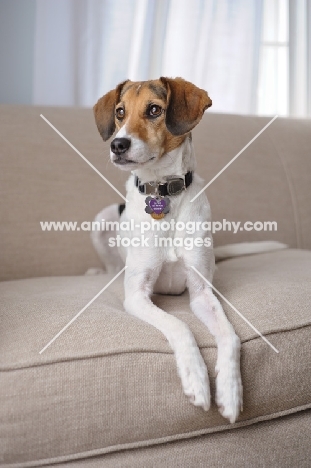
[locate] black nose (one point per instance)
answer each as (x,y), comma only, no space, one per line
(120,145)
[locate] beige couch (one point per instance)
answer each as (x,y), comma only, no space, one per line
(106,392)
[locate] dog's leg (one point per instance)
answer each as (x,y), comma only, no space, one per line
(140,278)
(109,256)
(208,309)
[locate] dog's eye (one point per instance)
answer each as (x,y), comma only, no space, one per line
(154,110)
(120,113)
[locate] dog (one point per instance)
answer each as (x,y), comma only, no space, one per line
(153,122)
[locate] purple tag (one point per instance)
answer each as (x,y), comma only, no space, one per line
(157,205)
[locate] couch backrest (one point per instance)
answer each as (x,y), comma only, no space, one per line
(43,179)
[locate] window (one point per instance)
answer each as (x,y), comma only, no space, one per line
(273,73)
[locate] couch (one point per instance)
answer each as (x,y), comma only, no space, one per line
(106,392)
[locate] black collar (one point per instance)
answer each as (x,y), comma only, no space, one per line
(174,185)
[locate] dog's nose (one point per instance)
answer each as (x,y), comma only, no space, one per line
(120,145)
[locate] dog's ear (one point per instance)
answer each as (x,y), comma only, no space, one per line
(186,105)
(104,111)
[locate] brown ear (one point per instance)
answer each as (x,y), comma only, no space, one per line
(104,111)
(186,105)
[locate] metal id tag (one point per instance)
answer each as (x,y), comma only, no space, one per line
(157,207)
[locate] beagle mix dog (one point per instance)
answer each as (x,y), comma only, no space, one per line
(153,120)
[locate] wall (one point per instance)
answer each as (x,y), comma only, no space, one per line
(17,30)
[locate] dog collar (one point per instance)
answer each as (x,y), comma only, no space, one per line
(174,185)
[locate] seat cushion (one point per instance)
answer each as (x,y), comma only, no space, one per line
(278,443)
(109,381)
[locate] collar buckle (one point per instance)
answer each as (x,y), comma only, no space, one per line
(175,185)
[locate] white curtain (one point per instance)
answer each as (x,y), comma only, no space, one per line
(83,48)
(300,57)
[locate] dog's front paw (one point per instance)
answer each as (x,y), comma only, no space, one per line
(229,392)
(195,382)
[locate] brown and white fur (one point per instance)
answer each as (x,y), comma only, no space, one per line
(154,119)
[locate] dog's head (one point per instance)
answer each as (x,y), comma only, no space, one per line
(151,118)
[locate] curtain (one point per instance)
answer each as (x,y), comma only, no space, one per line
(83,48)
(300,57)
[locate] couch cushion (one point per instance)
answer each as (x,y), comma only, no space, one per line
(109,382)
(278,443)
